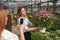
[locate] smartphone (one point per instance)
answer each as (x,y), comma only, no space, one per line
(21,21)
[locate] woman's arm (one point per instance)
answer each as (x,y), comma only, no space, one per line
(22,35)
(22,32)
(34,28)
(15,29)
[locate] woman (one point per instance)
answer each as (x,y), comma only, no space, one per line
(22,13)
(5,34)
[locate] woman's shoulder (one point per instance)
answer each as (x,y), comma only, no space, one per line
(9,35)
(27,19)
(20,18)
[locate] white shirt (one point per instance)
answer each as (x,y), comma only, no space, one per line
(7,35)
(27,23)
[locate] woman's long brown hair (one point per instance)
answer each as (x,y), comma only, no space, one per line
(19,11)
(3,16)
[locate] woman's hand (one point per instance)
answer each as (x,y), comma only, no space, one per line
(40,28)
(21,28)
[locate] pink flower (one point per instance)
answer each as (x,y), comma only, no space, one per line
(43,13)
(37,14)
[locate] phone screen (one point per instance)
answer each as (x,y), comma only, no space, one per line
(21,21)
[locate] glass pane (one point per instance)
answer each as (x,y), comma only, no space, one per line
(44,4)
(43,0)
(4,0)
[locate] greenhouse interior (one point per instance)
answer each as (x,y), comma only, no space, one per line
(42,13)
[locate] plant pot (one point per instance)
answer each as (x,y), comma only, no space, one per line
(43,30)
